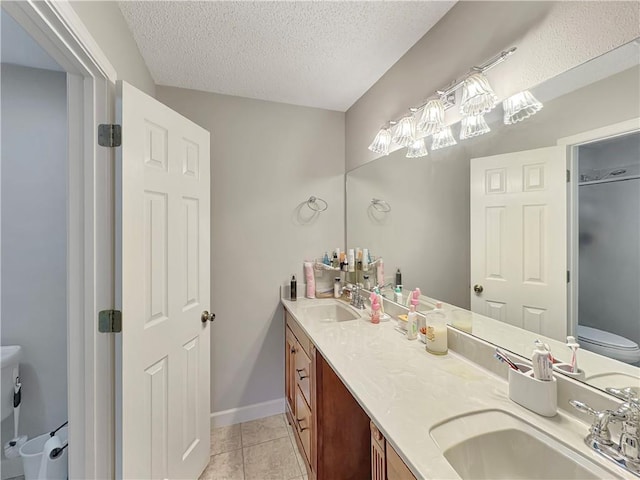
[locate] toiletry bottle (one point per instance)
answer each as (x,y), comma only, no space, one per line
(366,282)
(398,294)
(436,324)
(398,278)
(541,362)
(412,320)
(352,260)
(310,278)
(325,259)
(294,288)
(365,259)
(336,287)
(335,262)
(415,301)
(375,310)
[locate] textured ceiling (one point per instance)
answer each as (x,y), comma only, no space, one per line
(322,54)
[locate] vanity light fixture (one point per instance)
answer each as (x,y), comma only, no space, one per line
(473,126)
(478,97)
(417,149)
(432,118)
(382,142)
(519,107)
(442,139)
(405,131)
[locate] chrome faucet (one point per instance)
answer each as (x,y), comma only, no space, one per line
(626,453)
(355,293)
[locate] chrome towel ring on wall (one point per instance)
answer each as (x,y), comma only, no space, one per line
(380,205)
(317,204)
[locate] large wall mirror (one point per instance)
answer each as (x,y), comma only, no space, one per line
(533,227)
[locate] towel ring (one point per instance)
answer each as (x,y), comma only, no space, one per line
(380,205)
(317,204)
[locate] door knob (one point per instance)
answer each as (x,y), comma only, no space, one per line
(206,316)
(478,289)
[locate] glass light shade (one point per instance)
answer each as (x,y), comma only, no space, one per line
(381,143)
(442,139)
(432,118)
(417,149)
(519,107)
(405,131)
(473,126)
(477,96)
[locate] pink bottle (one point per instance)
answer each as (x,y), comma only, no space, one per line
(375,310)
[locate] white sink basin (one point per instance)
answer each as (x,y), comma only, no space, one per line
(331,312)
(494,444)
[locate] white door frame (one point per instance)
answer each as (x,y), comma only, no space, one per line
(571,143)
(56,27)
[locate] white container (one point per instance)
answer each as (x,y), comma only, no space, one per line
(32,459)
(565,369)
(412,324)
(436,324)
(539,396)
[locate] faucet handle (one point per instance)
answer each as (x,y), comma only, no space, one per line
(629,394)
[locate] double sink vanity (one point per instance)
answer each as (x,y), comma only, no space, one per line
(365,402)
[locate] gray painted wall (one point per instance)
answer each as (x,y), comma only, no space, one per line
(108,27)
(551,37)
(266,159)
(34,242)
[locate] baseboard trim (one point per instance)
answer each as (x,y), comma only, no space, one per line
(247,413)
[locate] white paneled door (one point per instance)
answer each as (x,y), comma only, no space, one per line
(165,342)
(519,239)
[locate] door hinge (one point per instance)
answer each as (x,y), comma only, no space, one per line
(109,135)
(110,321)
(568,276)
(568,176)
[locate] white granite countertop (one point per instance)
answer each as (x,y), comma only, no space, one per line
(406,391)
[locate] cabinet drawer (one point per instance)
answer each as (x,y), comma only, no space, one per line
(302,373)
(303,423)
(305,343)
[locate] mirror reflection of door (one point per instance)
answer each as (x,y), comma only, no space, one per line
(518,247)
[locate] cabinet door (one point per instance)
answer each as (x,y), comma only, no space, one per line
(396,468)
(290,350)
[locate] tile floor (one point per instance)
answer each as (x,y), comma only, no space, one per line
(263,449)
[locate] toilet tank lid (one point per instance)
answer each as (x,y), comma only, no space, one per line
(605,339)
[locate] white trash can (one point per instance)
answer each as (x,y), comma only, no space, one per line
(37,466)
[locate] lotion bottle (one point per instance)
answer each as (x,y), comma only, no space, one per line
(398,294)
(412,320)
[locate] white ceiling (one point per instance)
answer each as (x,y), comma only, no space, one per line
(322,54)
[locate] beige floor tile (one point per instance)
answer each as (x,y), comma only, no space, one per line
(299,457)
(263,430)
(225,439)
(273,460)
(225,466)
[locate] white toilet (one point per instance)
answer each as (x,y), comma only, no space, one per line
(608,344)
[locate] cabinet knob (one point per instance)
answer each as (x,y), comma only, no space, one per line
(300,376)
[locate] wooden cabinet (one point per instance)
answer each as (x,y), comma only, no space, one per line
(386,464)
(330,428)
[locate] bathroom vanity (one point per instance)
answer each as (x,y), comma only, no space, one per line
(365,402)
